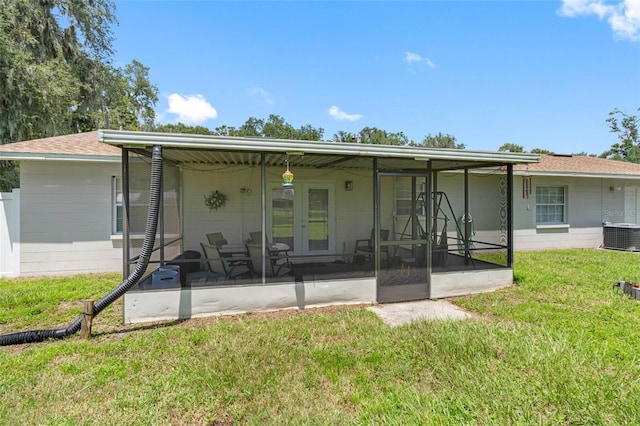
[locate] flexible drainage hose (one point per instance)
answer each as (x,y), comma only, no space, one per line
(141,266)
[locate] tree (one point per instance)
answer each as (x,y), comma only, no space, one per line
(626,128)
(583,154)
(310,133)
(541,151)
(274,127)
(510,147)
(182,128)
(51,56)
(56,76)
(346,137)
(372,135)
(140,94)
(251,127)
(441,141)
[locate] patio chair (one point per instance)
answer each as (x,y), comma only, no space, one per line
(256,238)
(275,267)
(368,245)
(216,239)
(220,266)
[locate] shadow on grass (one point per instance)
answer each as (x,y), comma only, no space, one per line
(141,327)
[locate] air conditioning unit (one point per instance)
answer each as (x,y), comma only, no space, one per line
(621,236)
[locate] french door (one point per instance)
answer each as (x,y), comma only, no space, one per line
(302,217)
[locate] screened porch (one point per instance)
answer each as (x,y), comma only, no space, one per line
(354,224)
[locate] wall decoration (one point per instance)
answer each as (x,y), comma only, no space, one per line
(215,200)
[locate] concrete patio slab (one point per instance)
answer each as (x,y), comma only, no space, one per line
(395,314)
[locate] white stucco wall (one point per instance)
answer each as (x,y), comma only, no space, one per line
(66,218)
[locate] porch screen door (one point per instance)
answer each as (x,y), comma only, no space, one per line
(404,269)
(303,218)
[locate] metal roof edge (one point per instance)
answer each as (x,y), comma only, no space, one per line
(134,138)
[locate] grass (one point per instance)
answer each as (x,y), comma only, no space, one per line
(559,347)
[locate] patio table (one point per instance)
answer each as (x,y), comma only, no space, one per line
(236,254)
(278,248)
(229,250)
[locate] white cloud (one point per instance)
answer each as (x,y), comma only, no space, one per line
(412,58)
(623,17)
(429,63)
(261,93)
(335,112)
(192,109)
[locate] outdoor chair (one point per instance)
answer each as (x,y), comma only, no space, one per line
(368,245)
(275,266)
(216,239)
(220,266)
(256,238)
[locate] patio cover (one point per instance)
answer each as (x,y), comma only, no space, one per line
(205,149)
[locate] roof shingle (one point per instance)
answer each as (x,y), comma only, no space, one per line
(86,144)
(579,164)
(77,144)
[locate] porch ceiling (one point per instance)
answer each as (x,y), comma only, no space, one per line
(317,161)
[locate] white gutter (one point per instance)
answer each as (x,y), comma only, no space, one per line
(133,139)
(20,156)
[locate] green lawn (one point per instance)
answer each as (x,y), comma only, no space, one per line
(559,347)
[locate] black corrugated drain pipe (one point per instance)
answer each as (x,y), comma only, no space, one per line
(141,266)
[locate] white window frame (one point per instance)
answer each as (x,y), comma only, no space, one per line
(400,190)
(116,202)
(551,202)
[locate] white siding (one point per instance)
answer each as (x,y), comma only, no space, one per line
(66,218)
(590,202)
(242,212)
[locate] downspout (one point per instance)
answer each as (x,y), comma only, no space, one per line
(136,275)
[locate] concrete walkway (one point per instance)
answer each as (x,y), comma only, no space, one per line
(395,314)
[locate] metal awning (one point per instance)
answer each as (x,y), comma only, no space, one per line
(226,150)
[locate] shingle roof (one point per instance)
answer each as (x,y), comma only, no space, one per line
(78,144)
(86,145)
(578,164)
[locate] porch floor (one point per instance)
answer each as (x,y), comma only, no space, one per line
(326,271)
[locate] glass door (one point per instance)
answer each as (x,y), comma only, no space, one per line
(303,218)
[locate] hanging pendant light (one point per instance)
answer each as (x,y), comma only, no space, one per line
(287,177)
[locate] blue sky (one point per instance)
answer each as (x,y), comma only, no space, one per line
(541,74)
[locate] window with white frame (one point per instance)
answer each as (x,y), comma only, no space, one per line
(551,205)
(404,198)
(116,228)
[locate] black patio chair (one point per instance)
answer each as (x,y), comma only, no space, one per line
(368,245)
